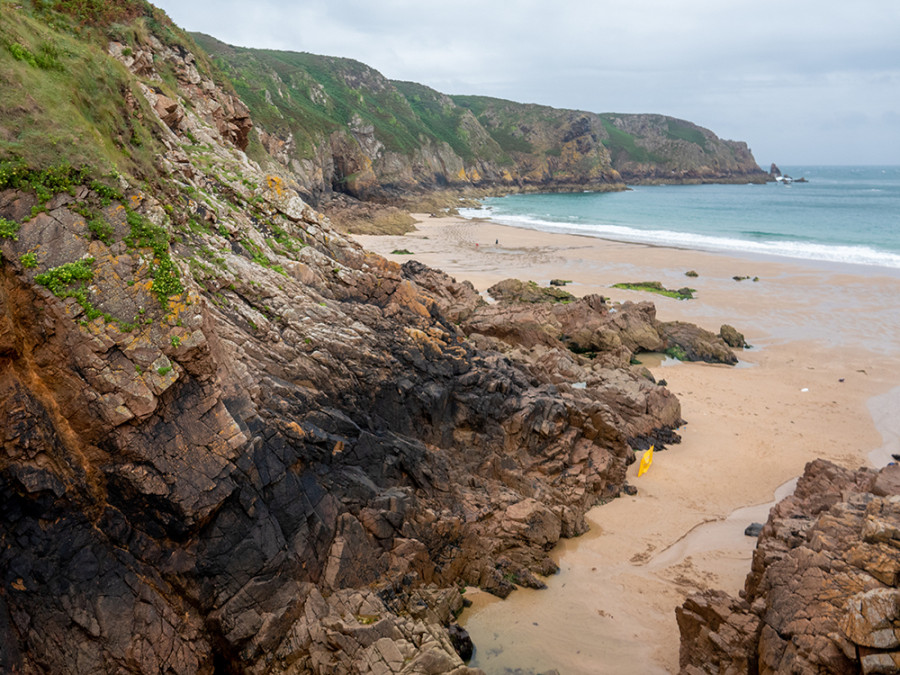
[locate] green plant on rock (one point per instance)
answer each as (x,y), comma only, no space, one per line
(101,229)
(9,229)
(28,260)
(71,280)
(677,352)
(58,279)
(656,287)
(43,182)
(106,193)
(166,276)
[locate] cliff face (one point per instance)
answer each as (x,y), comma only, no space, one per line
(230,439)
(660,149)
(641,148)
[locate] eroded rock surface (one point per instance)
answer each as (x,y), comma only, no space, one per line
(823,593)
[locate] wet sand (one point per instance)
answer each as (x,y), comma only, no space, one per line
(824,368)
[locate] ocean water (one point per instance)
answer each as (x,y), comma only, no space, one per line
(843,214)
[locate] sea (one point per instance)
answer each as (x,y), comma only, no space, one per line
(839,214)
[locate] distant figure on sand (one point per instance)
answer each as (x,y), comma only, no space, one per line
(496,242)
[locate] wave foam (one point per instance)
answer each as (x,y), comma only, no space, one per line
(805,250)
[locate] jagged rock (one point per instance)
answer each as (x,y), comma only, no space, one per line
(709,620)
(822,594)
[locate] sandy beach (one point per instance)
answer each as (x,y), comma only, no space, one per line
(822,380)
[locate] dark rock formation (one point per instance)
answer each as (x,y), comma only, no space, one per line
(823,593)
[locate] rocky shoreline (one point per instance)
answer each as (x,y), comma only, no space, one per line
(233,467)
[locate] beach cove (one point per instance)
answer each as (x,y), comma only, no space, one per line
(825,365)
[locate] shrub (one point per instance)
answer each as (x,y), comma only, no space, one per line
(21,53)
(28,260)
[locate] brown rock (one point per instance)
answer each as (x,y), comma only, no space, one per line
(823,585)
(732,337)
(872,619)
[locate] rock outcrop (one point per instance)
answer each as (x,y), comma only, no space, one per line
(823,594)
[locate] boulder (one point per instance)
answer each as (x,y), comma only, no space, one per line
(692,343)
(732,337)
(513,290)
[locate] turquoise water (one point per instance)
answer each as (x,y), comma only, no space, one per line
(842,214)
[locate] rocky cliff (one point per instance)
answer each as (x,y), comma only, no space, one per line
(342,127)
(641,148)
(231,440)
(822,596)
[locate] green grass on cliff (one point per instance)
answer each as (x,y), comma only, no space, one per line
(442,120)
(685,131)
(622,145)
(65,100)
(312,96)
(67,103)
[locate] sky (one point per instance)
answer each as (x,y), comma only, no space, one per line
(801,81)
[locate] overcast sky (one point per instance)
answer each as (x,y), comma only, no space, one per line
(801,81)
